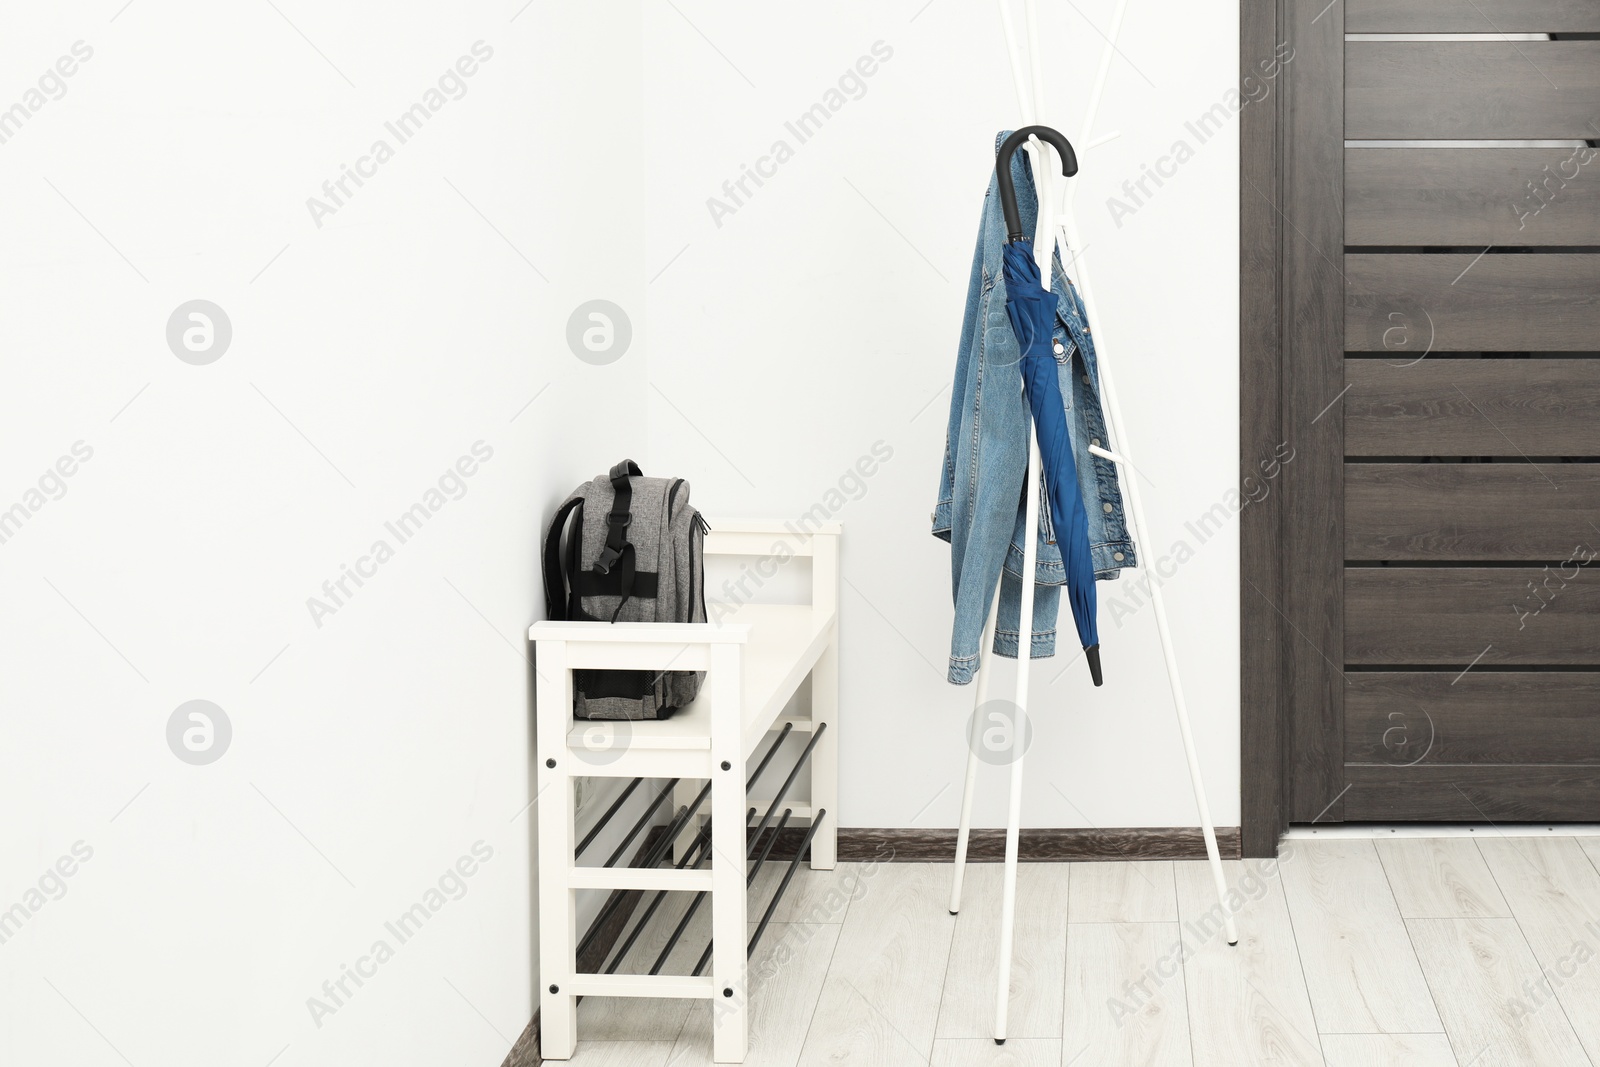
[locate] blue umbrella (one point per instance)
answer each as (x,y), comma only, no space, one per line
(1032,311)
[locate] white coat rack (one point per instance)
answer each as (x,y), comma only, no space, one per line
(1063,231)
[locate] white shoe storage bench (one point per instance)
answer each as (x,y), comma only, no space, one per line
(755,656)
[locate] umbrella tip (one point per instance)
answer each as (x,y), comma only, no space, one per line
(1092,654)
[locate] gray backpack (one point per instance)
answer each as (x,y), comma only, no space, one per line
(631,553)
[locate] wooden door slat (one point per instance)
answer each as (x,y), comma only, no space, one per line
(1403,718)
(1411,304)
(1472,16)
(1472,407)
(1469,511)
(1472,196)
(1511,793)
(1486,616)
(1471,89)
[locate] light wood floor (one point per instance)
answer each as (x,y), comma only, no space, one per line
(1448,952)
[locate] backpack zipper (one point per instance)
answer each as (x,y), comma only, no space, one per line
(704,528)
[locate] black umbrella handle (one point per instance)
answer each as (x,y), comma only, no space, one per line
(1002,170)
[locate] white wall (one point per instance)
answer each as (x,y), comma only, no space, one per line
(368,353)
(368,754)
(822,316)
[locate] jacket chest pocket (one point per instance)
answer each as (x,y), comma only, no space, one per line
(1062,344)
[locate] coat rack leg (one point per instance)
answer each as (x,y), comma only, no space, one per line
(980,696)
(1019,735)
(1179,705)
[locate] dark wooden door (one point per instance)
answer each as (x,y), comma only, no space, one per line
(1430,603)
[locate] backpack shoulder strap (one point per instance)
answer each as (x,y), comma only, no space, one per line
(555,594)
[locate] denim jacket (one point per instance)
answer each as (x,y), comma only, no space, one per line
(980,508)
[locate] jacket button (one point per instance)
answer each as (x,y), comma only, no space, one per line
(1095,441)
(1060,348)
(1118,556)
(1086,380)
(1106,508)
(933,516)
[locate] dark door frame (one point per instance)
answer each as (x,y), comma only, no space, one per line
(1291,434)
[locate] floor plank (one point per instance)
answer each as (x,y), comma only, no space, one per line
(1477,969)
(1125,1000)
(880,1001)
(1554,892)
(620,1054)
(1388,1050)
(1359,967)
(1039,954)
(985,1053)
(1247,1003)
(1591,848)
(1139,892)
(1441,878)
(786,976)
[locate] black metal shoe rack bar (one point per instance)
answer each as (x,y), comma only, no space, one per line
(755,839)
(698,853)
(659,850)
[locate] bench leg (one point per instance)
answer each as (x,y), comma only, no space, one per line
(825,757)
(729,930)
(558,919)
(558,1012)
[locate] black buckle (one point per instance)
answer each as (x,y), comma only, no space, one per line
(625,519)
